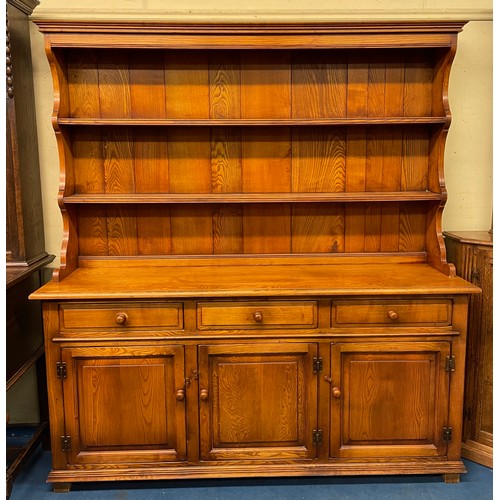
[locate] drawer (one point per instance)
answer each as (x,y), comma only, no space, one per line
(392,312)
(257,315)
(121,316)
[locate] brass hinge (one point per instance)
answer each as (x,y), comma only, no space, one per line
(447,434)
(450,363)
(65,443)
(317,365)
(61,370)
(317,436)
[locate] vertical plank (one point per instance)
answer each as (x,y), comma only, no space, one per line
(151,161)
(376,86)
(186,84)
(227,229)
(118,161)
(355,182)
(392,171)
(318,160)
(375,150)
(318,228)
(267,228)
(265,84)
(373,224)
(266,160)
(190,169)
(153,230)
(191,229)
(83,88)
(413,223)
(88,162)
(92,230)
(415,159)
(226,178)
(147,84)
(319,84)
(419,74)
(374,181)
(357,85)
(389,227)
(394,83)
(122,230)
(225,89)
(114,84)
(225,155)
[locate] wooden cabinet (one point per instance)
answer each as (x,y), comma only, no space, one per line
(389,399)
(252,251)
(25,251)
(472,252)
(123,404)
(257,401)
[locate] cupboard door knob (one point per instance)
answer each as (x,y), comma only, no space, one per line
(204,394)
(180,395)
(257,316)
(121,318)
(336,392)
(393,315)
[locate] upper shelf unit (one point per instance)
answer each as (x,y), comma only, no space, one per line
(251,139)
(251,88)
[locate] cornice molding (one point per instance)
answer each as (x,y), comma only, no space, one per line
(249,16)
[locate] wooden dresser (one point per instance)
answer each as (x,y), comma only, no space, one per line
(253,278)
(472,253)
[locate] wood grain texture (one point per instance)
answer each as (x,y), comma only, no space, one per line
(186,80)
(398,418)
(259,240)
(265,84)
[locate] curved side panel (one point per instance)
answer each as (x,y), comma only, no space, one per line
(435,247)
(69,247)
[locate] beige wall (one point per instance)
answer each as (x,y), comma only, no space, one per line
(469,150)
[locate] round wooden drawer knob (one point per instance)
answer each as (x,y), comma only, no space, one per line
(121,318)
(204,394)
(180,395)
(336,392)
(257,316)
(393,315)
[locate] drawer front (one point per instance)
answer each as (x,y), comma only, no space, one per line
(257,315)
(121,316)
(392,312)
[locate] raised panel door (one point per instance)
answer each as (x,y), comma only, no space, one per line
(389,399)
(257,401)
(125,404)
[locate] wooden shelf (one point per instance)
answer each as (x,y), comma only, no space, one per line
(257,280)
(167,198)
(245,122)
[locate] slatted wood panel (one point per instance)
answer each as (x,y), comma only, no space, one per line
(251,159)
(229,84)
(256,228)
(250,84)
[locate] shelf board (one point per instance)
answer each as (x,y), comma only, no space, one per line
(245,122)
(166,198)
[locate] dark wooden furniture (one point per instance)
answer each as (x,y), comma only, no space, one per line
(253,270)
(472,253)
(26,256)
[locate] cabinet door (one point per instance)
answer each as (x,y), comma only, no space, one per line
(389,399)
(122,404)
(257,401)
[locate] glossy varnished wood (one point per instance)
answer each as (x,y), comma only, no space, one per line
(215,281)
(252,266)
